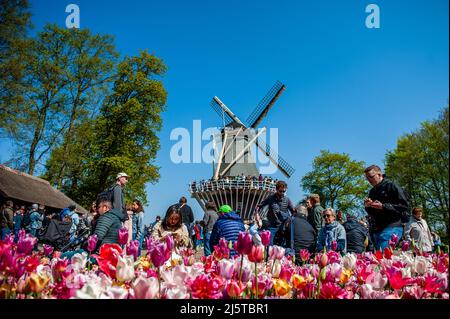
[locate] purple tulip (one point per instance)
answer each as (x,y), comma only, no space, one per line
(92,243)
(26,244)
(123,236)
(48,250)
(133,248)
(159,252)
(265,237)
(405,245)
(244,243)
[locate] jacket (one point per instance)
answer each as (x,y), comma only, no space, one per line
(356,236)
(328,234)
(418,230)
(302,235)
(36,220)
(280,209)
(159,233)
(7,217)
(138,225)
(118,201)
(209,220)
(107,227)
(315,217)
(227,226)
(187,215)
(395,204)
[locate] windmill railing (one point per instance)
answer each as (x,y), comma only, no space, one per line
(220,185)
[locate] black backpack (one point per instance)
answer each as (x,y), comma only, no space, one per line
(107,194)
(26,221)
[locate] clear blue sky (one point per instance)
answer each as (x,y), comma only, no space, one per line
(349,89)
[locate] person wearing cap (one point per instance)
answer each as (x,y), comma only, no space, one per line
(118,201)
(228,226)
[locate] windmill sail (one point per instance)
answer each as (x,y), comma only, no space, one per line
(282,165)
(264,106)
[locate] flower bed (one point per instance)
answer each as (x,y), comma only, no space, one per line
(119,273)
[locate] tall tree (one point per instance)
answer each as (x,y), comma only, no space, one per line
(91,61)
(420,164)
(338,180)
(65,71)
(14,24)
(124,135)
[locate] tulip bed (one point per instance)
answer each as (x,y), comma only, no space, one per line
(163,273)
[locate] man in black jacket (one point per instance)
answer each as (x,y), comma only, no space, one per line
(301,234)
(387,206)
(108,224)
(357,236)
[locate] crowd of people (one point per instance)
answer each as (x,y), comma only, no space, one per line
(308,226)
(229,182)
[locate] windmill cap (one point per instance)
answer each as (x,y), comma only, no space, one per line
(225,209)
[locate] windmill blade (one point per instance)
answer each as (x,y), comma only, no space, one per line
(222,105)
(282,165)
(223,115)
(266,103)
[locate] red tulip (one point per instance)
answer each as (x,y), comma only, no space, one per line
(235,288)
(257,253)
(334,245)
(304,255)
(108,257)
(47,250)
(206,287)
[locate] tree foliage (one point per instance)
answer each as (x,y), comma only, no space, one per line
(123,136)
(420,164)
(14,45)
(65,69)
(338,180)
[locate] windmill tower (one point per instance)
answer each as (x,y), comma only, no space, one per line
(236,160)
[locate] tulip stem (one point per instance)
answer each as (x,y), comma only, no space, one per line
(240,269)
(256,280)
(159,282)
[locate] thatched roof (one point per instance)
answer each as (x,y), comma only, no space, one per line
(27,188)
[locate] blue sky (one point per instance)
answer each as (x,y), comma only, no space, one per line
(348,88)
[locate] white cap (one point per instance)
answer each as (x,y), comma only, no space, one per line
(121,175)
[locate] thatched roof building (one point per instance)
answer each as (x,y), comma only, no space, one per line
(24,189)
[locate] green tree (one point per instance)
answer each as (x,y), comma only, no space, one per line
(123,136)
(14,44)
(66,70)
(91,61)
(420,165)
(338,180)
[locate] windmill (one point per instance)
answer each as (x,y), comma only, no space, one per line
(236,159)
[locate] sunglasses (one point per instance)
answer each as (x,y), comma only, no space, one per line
(371,177)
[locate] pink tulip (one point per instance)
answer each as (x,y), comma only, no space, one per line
(332,291)
(244,243)
(225,268)
(265,238)
(286,273)
(145,288)
(123,236)
(92,243)
(48,250)
(257,253)
(264,284)
(26,244)
(304,255)
(132,248)
(159,252)
(276,252)
(323,261)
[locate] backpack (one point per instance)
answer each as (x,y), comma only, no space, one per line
(107,194)
(26,221)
